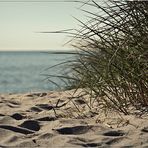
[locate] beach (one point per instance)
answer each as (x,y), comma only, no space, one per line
(86,88)
(51,119)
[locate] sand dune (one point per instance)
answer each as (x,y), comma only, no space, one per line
(51,120)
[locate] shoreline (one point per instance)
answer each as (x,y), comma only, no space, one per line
(49,119)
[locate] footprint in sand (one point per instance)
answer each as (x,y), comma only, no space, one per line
(31,125)
(17,116)
(45,106)
(47,119)
(91,144)
(27,127)
(74,130)
(17,129)
(114,133)
(36,109)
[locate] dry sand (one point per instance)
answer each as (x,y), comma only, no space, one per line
(51,120)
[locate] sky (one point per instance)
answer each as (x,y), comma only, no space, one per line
(21,21)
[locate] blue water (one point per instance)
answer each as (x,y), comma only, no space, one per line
(24,71)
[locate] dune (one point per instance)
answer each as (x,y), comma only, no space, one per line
(51,119)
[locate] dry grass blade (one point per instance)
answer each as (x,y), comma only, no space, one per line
(111,65)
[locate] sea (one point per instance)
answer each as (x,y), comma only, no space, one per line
(28,71)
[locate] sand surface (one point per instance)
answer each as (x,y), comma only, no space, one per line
(53,120)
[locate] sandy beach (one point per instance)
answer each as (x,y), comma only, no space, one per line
(73,74)
(51,119)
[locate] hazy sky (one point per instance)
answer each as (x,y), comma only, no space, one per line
(20,22)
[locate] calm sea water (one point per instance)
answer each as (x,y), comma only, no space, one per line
(23,71)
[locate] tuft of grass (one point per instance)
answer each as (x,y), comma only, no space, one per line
(111,64)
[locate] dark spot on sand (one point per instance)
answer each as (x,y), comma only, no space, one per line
(47,119)
(80,101)
(17,116)
(45,106)
(145,129)
(75,130)
(31,125)
(17,129)
(37,94)
(35,109)
(43,94)
(34,140)
(92,145)
(89,144)
(114,133)
(30,95)
(128,146)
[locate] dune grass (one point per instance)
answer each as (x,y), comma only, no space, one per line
(111,64)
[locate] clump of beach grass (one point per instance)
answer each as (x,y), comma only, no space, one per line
(111,64)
